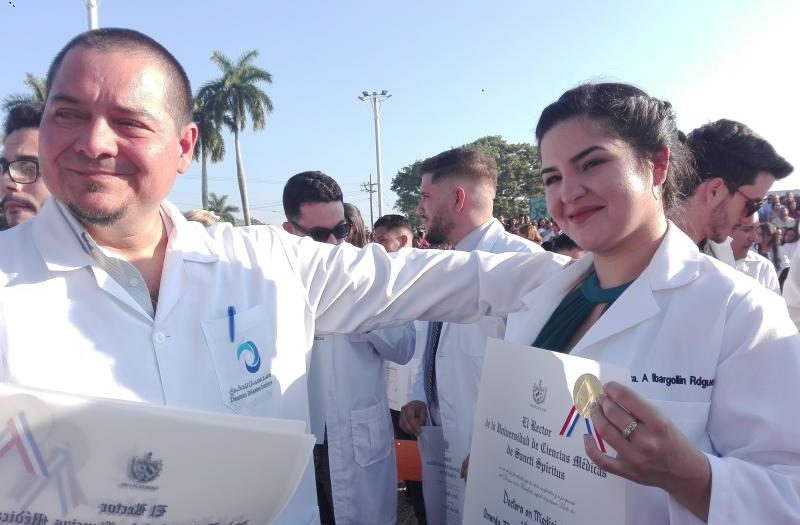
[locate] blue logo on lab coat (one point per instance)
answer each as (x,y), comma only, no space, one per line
(252,361)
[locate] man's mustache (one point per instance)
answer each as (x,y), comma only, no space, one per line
(20,200)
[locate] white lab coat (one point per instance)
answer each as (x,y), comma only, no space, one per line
(760,269)
(689,315)
(791,289)
(361,454)
(459,358)
(66,325)
(721,251)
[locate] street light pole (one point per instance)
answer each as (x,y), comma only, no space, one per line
(91,13)
(376,99)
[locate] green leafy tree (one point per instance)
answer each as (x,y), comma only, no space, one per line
(406,185)
(38,92)
(220,207)
(210,142)
(236,97)
(517,178)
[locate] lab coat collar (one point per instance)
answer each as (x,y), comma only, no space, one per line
(191,239)
(675,263)
(63,249)
(491,234)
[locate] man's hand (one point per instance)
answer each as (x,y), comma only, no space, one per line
(413,416)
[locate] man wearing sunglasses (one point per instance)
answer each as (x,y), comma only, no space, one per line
(22,190)
(354,460)
(735,168)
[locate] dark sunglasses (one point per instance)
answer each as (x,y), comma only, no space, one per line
(751,205)
(340,231)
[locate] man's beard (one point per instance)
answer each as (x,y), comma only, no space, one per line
(439,230)
(96,218)
(718,228)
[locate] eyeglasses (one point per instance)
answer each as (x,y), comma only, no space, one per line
(340,231)
(20,171)
(751,205)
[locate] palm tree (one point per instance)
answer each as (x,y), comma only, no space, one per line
(38,92)
(234,96)
(210,142)
(220,207)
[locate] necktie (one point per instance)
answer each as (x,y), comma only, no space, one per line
(430,362)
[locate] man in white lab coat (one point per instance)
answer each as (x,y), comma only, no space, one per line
(750,262)
(142,305)
(457,191)
(354,460)
(735,168)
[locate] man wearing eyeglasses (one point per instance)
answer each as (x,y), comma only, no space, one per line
(735,168)
(22,190)
(354,460)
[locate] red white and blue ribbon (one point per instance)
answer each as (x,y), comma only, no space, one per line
(572,420)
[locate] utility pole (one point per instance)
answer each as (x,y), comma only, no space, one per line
(375,100)
(368,187)
(91,13)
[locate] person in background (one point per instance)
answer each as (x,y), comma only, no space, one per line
(768,243)
(786,252)
(734,169)
(770,204)
(22,189)
(354,459)
(745,235)
(457,191)
(358,232)
(645,298)
(784,220)
(204,217)
(529,231)
(564,245)
(393,232)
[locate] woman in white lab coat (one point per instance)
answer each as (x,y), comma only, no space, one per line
(708,431)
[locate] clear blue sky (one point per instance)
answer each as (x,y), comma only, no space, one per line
(457,70)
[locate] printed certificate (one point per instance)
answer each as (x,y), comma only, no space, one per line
(442,486)
(527,463)
(69,460)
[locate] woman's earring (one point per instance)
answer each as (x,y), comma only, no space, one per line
(656,193)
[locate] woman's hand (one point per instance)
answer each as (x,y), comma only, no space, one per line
(650,449)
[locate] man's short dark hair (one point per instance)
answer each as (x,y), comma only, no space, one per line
(23,115)
(461,162)
(392,221)
(733,152)
(179,90)
(564,242)
(308,187)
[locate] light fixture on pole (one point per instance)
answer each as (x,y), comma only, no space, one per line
(376,99)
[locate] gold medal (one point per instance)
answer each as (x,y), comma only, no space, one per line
(585,392)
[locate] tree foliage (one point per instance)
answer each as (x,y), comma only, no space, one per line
(517,178)
(209,139)
(38,93)
(220,207)
(236,98)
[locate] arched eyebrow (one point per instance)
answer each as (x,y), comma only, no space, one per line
(575,158)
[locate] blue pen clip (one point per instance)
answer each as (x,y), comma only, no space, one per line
(231,329)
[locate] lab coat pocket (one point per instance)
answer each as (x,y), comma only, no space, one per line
(372,434)
(690,417)
(242,353)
